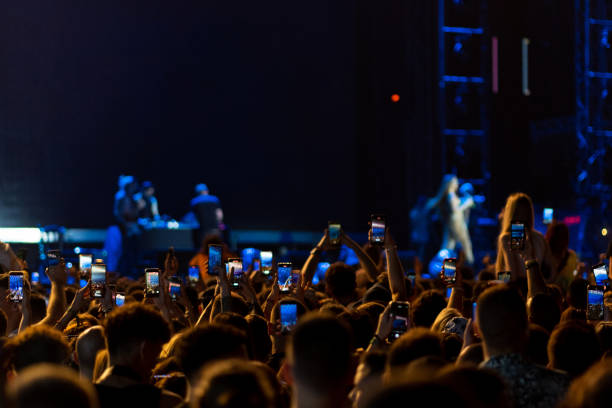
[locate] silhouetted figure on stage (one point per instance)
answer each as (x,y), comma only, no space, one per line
(147,203)
(208,212)
(126,213)
(453,216)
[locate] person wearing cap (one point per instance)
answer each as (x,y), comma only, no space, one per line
(148,207)
(208,212)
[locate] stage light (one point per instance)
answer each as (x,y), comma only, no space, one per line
(395,98)
(77,250)
(604,93)
(20,235)
(458,47)
(604,232)
(604,38)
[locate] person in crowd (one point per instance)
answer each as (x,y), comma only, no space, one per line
(519,209)
(88,344)
(208,212)
(565,260)
(502,324)
(51,386)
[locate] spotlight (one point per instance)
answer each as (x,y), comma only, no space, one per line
(395,98)
(604,232)
(604,38)
(77,250)
(458,47)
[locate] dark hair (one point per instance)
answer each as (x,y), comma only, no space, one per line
(577,294)
(39,307)
(537,341)
(451,346)
(232,319)
(421,394)
(51,386)
(543,310)
(481,385)
(557,236)
(502,318)
(260,343)
(38,344)
(205,343)
(3,323)
(340,280)
(573,347)
(416,343)
(128,326)
(471,355)
(4,281)
(426,308)
(361,325)
(320,350)
(593,389)
(234,384)
(604,334)
(573,314)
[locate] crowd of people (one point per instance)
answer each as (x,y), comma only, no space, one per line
(365,336)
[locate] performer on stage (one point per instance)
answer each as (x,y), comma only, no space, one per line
(207,209)
(147,203)
(452,212)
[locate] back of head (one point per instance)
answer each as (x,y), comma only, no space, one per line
(132,324)
(577,294)
(361,325)
(593,389)
(38,344)
(50,386)
(320,351)
(543,310)
(232,319)
(340,280)
(88,344)
(416,343)
(573,347)
(537,342)
(519,207)
(206,343)
(445,316)
(572,314)
(472,355)
(481,386)
(604,334)
(557,236)
(426,308)
(3,323)
(502,320)
(420,394)
(260,342)
(234,384)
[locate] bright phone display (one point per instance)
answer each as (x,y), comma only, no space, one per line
(334,233)
(266,262)
(152,282)
(601,273)
(120,299)
(377,224)
(85,262)
(194,274)
(449,270)
(284,275)
(401,313)
(174,288)
(504,276)
(215,259)
(234,265)
(248,256)
(288,315)
(98,280)
(319,275)
(517,236)
(547,216)
(16,287)
(53,257)
(595,303)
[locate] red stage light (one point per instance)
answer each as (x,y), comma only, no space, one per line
(395,98)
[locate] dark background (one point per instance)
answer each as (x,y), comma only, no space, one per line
(282,108)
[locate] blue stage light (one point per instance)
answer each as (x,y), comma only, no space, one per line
(77,250)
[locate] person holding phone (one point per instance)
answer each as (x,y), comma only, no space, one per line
(519,210)
(565,260)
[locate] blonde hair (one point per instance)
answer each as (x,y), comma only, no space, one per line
(101,364)
(519,207)
(445,316)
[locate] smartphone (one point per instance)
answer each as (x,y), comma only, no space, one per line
(449,270)
(595,302)
(256,265)
(266,262)
(504,276)
(547,216)
(517,236)
(284,275)
(248,256)
(152,282)
(194,274)
(288,316)
(234,265)
(334,233)
(174,288)
(35,276)
(319,275)
(120,299)
(53,257)
(400,311)
(98,280)
(113,290)
(85,264)
(16,286)
(377,229)
(601,273)
(449,291)
(215,259)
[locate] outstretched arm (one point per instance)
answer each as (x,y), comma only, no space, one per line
(310,266)
(395,269)
(57,300)
(365,261)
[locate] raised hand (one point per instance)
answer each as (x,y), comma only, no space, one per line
(385,323)
(58,273)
